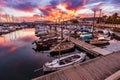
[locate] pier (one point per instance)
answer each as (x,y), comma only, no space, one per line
(99,68)
(89,48)
(59,40)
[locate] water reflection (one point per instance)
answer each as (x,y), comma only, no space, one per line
(114,46)
(17,59)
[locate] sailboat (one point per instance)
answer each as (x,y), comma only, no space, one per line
(62,62)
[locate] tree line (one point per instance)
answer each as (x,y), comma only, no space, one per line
(114,19)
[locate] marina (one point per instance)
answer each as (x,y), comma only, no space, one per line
(59,40)
(26,37)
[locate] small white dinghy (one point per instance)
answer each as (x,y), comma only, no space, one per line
(63,62)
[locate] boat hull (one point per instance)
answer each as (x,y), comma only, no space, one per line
(45,45)
(68,60)
(53,53)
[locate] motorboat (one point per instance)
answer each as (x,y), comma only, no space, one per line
(86,35)
(62,62)
(100,41)
(39,29)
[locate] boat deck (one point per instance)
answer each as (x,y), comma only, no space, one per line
(95,69)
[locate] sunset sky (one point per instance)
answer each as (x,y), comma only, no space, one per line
(35,10)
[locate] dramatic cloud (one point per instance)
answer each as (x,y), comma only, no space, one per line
(71,4)
(46,10)
(50,8)
(21,5)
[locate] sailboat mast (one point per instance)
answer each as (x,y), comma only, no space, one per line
(100,16)
(94,20)
(0,18)
(59,52)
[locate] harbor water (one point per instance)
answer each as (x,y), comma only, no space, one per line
(17,58)
(18,61)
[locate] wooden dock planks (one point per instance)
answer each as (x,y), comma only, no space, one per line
(115,76)
(90,48)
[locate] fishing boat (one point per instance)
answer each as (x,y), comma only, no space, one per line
(62,47)
(63,62)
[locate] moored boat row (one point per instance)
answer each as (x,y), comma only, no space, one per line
(57,46)
(92,37)
(8,29)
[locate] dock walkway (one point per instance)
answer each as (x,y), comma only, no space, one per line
(95,69)
(89,48)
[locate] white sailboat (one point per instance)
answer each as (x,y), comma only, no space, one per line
(63,62)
